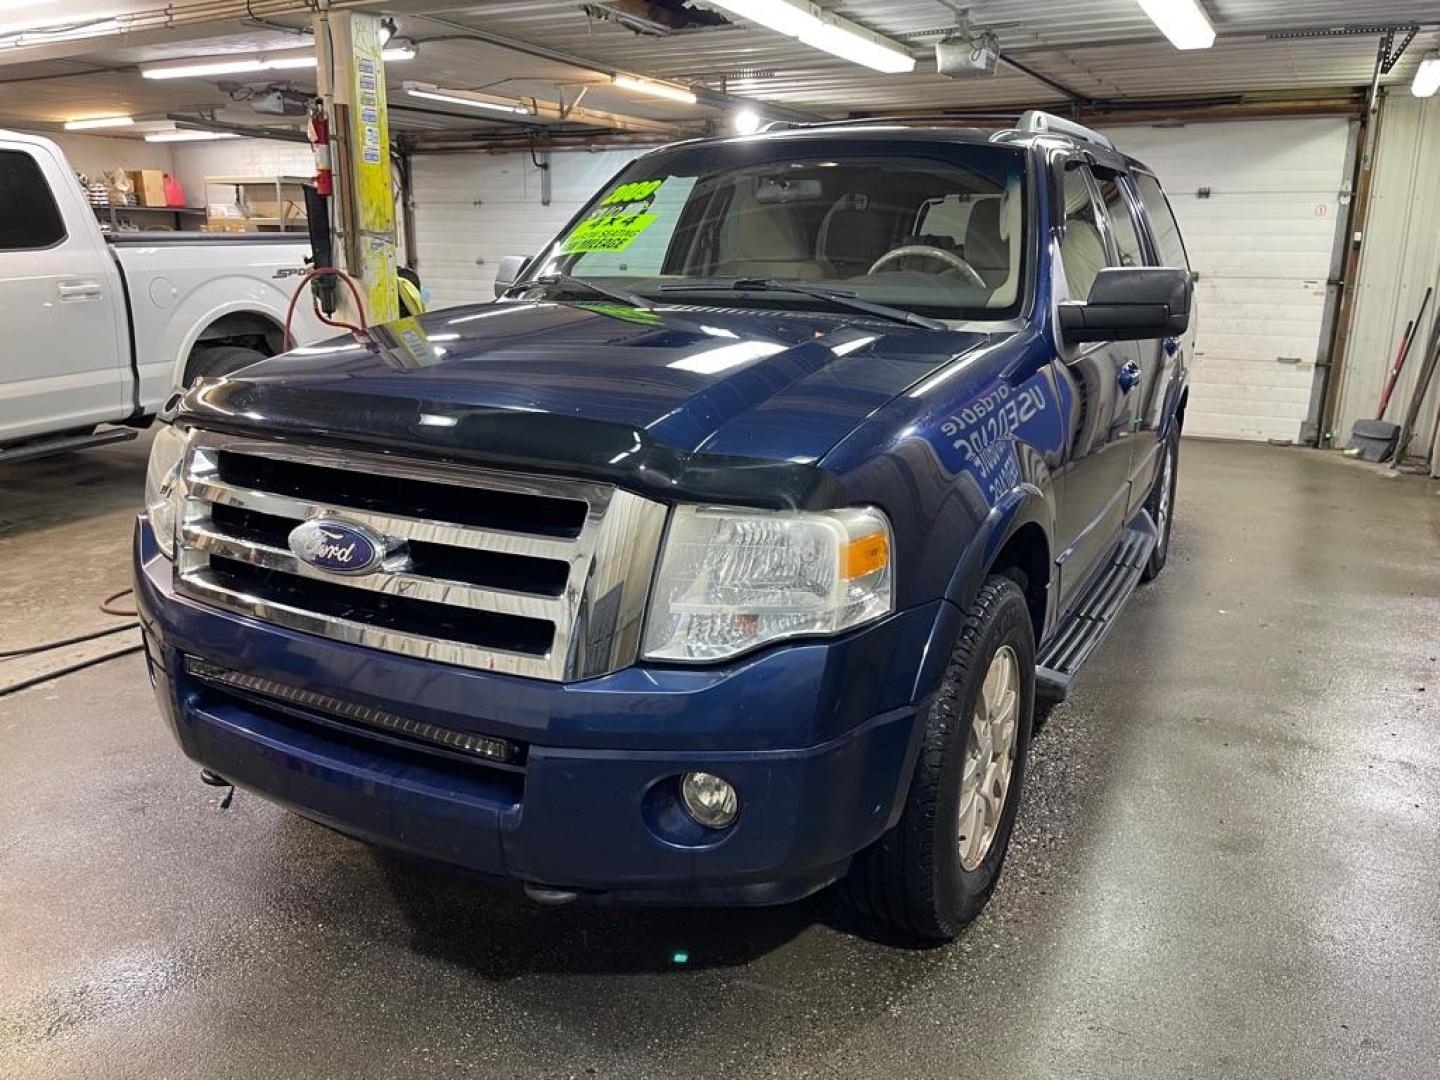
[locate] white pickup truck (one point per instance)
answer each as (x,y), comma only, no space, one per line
(101,329)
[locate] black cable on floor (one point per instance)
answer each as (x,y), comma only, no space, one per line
(46,646)
(107,606)
(38,679)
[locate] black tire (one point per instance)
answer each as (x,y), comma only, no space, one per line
(1153,504)
(912,879)
(219,360)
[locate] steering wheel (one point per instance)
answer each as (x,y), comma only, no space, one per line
(929,251)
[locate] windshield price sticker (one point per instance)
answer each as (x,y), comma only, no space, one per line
(623,216)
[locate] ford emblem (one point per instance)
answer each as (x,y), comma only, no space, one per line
(341,547)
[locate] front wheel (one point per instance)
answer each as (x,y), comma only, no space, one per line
(933,872)
(1161,503)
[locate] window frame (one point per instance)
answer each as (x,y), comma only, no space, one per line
(49,190)
(1135,175)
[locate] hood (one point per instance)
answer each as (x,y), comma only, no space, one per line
(588,386)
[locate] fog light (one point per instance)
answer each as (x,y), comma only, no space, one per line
(710,801)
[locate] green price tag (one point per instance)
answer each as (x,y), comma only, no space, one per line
(606,232)
(611,228)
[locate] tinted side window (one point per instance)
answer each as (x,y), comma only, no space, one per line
(29,217)
(1122,222)
(1082,248)
(1162,222)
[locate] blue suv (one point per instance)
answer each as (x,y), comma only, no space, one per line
(724,556)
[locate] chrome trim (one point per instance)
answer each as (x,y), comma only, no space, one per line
(597,618)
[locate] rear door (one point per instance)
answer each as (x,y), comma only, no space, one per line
(61,364)
(1095,482)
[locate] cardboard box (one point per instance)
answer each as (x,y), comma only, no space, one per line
(149,186)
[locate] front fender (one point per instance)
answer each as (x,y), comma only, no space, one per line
(1025,504)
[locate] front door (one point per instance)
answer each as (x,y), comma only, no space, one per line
(1101,378)
(60,360)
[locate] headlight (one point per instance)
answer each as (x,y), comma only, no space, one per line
(730,580)
(163,492)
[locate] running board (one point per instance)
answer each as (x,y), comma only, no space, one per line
(64,444)
(1086,626)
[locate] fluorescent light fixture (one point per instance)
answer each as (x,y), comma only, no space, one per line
(189,136)
(99,122)
(468,99)
(1427,77)
(818,28)
(655,88)
(746,122)
(1182,21)
(241,65)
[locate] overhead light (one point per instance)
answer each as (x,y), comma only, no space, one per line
(189,136)
(655,88)
(191,69)
(469,99)
(1427,77)
(99,122)
(402,50)
(746,122)
(1182,21)
(240,65)
(818,28)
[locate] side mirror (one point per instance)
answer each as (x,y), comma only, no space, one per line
(511,267)
(1131,304)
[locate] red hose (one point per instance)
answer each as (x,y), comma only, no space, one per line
(311,274)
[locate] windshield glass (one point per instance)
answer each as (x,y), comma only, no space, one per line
(937,229)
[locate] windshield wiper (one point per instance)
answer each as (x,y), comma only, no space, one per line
(840,297)
(579,284)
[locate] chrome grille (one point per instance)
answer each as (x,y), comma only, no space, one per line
(528,575)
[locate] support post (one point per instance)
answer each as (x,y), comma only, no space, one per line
(351,80)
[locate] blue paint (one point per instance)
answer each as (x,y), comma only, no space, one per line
(962,436)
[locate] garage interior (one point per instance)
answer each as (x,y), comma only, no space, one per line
(1228,849)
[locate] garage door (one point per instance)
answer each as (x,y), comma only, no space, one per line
(473,209)
(1258,202)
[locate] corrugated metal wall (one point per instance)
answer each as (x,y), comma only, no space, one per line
(1400,256)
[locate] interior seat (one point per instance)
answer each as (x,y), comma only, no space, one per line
(852,236)
(768,241)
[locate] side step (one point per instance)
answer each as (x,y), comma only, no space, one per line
(64,444)
(1086,626)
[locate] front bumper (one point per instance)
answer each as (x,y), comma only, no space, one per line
(818,739)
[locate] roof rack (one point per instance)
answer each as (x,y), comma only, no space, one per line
(1048,123)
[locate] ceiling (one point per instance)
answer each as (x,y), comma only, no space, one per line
(1078,52)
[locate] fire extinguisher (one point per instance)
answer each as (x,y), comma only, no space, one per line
(320,143)
(317,209)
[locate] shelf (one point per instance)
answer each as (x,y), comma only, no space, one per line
(150,209)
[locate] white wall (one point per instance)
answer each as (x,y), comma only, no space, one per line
(237,157)
(94,154)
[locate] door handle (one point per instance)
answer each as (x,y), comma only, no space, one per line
(1129,377)
(78,290)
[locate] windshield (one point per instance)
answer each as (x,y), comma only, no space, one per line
(937,229)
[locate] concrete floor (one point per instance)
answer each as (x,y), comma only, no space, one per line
(1227,864)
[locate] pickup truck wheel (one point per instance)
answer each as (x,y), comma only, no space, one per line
(933,872)
(220,360)
(1161,504)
